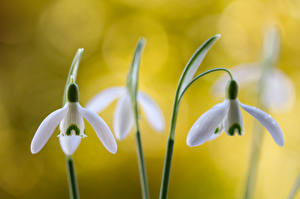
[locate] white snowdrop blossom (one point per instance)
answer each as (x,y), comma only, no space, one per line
(279,92)
(123,116)
(227,116)
(71,126)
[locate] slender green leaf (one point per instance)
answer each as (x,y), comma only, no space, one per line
(132,84)
(195,61)
(133,75)
(73,71)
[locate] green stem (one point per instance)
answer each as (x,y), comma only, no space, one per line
(257,137)
(73,188)
(171,139)
(140,154)
(254,159)
(142,166)
(295,188)
(169,154)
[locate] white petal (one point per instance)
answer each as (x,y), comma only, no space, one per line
(123,118)
(206,125)
(153,113)
(279,93)
(267,121)
(69,144)
(102,130)
(104,98)
(46,129)
(243,74)
(234,119)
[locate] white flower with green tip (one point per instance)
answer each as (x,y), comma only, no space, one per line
(227,115)
(71,125)
(123,117)
(279,92)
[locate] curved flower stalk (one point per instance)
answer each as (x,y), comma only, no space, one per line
(227,116)
(127,115)
(186,80)
(71,125)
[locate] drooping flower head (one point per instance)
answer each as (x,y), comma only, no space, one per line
(275,88)
(227,116)
(124,116)
(70,121)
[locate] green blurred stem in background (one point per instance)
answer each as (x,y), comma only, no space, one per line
(132,85)
(73,188)
(256,148)
(295,188)
(269,60)
(170,144)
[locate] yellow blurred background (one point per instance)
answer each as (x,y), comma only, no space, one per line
(38,40)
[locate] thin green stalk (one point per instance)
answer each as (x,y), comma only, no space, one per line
(132,85)
(73,188)
(254,159)
(140,156)
(257,137)
(142,166)
(269,60)
(171,139)
(295,188)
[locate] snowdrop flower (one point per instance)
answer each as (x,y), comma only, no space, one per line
(279,92)
(71,126)
(227,116)
(123,117)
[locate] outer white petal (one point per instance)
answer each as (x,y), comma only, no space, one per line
(104,98)
(206,125)
(46,129)
(69,144)
(243,74)
(279,93)
(123,118)
(267,121)
(102,130)
(153,113)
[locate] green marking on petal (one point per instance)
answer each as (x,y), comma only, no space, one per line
(217,130)
(235,127)
(71,128)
